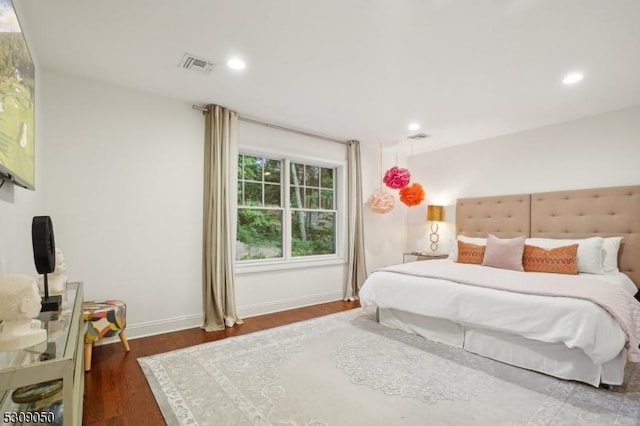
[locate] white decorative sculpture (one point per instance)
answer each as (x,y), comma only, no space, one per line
(19,303)
(58,278)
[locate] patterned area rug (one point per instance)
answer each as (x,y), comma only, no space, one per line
(346,369)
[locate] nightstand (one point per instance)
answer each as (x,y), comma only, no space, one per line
(414,256)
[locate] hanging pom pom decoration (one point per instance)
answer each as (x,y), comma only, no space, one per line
(412,195)
(380,202)
(396,177)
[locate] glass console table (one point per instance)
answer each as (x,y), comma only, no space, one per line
(59,357)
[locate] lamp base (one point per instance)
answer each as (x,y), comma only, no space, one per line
(434,237)
(52,303)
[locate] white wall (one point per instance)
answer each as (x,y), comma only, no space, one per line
(123,177)
(385,234)
(123,174)
(593,152)
(124,189)
(17,208)
(268,291)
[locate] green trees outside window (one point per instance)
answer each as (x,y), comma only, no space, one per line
(265,224)
(313,218)
(260,212)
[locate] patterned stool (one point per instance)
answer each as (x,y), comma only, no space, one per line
(104,319)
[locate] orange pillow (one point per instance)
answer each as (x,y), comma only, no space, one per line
(470,253)
(561,260)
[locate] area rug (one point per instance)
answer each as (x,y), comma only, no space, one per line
(346,369)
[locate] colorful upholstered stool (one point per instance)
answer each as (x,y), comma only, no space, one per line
(104,319)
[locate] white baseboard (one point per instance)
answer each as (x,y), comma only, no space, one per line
(152,328)
(283,305)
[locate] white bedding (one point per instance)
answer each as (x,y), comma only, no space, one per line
(615,278)
(574,322)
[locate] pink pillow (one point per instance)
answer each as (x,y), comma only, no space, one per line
(504,253)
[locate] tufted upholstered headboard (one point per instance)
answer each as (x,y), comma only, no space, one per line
(503,216)
(581,213)
(604,212)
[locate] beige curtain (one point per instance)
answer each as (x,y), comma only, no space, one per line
(357,271)
(219,225)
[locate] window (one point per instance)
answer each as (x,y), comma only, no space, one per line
(260,208)
(313,217)
(286,209)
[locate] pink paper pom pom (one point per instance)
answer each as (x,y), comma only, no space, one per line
(396,177)
(380,202)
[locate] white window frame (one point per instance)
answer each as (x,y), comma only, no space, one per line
(281,208)
(340,205)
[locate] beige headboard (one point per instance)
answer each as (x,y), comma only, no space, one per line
(503,216)
(563,214)
(604,212)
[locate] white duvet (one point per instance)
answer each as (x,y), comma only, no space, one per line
(574,322)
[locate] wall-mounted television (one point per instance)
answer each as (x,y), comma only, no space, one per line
(17,106)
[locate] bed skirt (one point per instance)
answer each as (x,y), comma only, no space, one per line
(554,359)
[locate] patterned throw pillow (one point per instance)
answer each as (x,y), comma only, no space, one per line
(561,260)
(470,253)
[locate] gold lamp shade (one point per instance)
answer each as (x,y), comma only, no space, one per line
(435,213)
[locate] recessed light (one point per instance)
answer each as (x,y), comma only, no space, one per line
(236,64)
(414,126)
(572,78)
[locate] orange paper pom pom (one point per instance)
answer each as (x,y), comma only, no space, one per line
(412,195)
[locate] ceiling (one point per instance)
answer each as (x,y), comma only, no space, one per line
(359,69)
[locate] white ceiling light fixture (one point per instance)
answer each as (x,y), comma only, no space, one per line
(414,126)
(572,78)
(236,64)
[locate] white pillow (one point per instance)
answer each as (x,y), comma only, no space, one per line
(589,251)
(453,254)
(611,246)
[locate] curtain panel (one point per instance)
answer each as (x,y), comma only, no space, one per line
(220,162)
(356,269)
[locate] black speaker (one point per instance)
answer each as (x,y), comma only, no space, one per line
(44,256)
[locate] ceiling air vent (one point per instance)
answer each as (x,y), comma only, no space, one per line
(418,136)
(193,63)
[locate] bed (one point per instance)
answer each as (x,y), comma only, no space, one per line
(567,337)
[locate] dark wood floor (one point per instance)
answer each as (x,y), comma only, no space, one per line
(116,391)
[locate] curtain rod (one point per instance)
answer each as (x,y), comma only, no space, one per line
(277,127)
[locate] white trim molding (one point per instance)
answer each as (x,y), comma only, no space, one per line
(283,305)
(152,328)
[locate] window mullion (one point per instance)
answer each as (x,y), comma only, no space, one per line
(286,231)
(262,185)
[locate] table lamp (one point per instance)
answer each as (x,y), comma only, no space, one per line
(435,214)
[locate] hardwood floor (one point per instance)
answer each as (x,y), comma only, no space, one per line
(116,391)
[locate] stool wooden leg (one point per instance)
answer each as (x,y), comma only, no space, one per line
(87,356)
(123,339)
